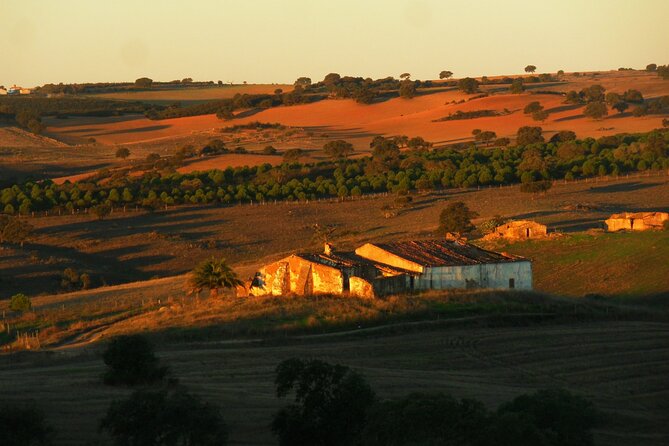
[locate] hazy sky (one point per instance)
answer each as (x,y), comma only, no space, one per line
(279,40)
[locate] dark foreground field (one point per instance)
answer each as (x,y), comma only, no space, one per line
(621,366)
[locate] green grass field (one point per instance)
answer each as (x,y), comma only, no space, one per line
(626,265)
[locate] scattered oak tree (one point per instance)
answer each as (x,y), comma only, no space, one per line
(143,82)
(445,74)
(517,86)
(529,135)
(338,149)
(330,404)
(596,110)
(407,89)
(302,82)
(14,230)
(456,218)
(532,107)
(540,115)
(164,417)
(130,361)
(468,85)
(530,69)
(292,155)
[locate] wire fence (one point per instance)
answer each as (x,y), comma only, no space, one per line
(371,196)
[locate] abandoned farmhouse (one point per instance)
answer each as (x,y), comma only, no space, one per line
(378,269)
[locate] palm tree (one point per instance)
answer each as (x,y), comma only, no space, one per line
(213,274)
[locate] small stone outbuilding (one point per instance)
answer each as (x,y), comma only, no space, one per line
(636,221)
(519,230)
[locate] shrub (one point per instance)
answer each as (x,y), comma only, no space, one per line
(122,152)
(330,405)
(164,417)
(131,361)
(23,425)
(469,115)
(20,302)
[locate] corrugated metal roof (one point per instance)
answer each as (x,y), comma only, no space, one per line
(444,253)
(350,259)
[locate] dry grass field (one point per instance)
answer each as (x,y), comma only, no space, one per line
(358,123)
(188,96)
(314,124)
(621,366)
(138,245)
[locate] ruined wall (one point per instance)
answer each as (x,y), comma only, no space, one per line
(327,280)
(637,221)
(377,254)
(384,286)
(522,229)
(489,275)
(361,287)
(618,224)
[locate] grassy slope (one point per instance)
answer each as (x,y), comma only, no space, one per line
(621,264)
(622,366)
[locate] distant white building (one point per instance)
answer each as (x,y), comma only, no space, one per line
(14,90)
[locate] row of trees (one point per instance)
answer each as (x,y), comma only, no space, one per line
(388,170)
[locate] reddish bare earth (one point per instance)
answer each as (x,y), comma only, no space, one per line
(349,120)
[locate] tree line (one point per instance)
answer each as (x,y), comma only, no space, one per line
(388,169)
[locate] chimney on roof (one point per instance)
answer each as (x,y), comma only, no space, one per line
(327,248)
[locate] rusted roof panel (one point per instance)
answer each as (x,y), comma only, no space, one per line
(444,253)
(350,260)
